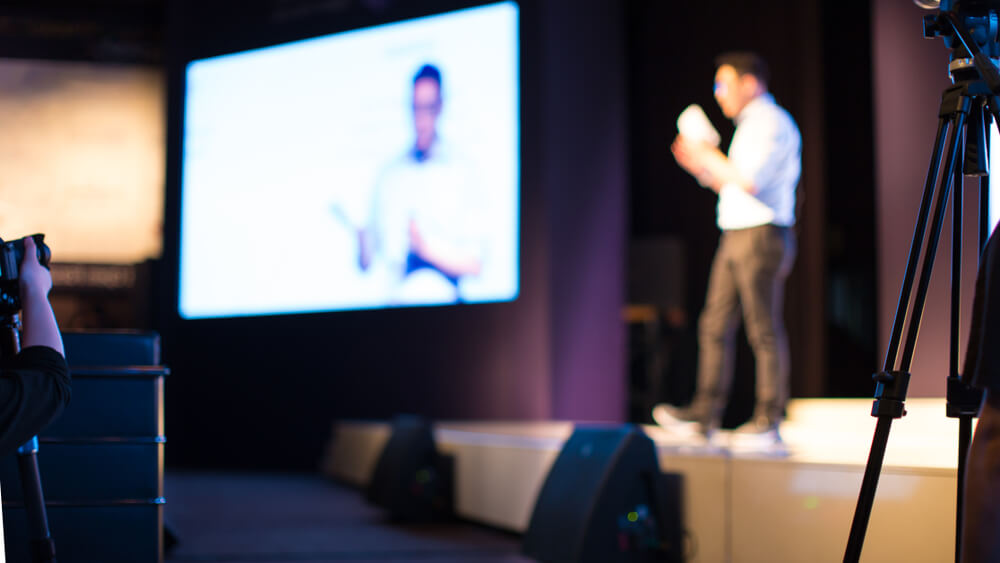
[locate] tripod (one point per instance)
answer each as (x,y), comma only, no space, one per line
(42,547)
(961,112)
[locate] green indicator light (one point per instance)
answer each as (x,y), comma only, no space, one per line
(633,516)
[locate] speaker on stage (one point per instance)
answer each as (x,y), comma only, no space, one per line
(412,480)
(605,500)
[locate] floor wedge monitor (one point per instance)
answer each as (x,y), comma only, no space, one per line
(605,500)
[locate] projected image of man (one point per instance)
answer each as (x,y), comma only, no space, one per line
(424,228)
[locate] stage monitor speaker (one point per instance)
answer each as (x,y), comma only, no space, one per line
(412,481)
(605,500)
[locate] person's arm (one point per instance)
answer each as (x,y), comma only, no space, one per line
(366,247)
(707,163)
(40,328)
(981,515)
(34,389)
(981,506)
(453,263)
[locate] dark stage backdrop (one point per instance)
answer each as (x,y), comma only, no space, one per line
(603,82)
(264,392)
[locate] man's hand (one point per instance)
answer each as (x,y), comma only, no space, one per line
(709,165)
(38,320)
(451,263)
(35,279)
(690,155)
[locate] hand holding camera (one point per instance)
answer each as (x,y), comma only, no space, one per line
(35,278)
(25,281)
(20,275)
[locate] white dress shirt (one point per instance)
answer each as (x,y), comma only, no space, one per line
(767,149)
(439,194)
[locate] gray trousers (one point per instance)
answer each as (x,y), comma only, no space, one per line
(748,274)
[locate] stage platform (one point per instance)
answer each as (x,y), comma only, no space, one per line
(739,507)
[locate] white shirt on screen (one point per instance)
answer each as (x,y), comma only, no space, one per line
(438,195)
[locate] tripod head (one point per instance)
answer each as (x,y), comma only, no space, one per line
(970,28)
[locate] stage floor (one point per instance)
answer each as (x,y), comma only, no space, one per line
(247,517)
(738,506)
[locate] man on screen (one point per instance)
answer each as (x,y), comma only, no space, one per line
(424,230)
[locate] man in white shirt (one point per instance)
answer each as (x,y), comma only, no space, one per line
(756,183)
(425,225)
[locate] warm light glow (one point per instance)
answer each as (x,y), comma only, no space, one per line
(82,154)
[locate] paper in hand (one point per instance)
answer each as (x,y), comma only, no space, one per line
(694,125)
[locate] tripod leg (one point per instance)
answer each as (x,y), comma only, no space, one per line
(43,549)
(964,441)
(892,384)
(918,237)
(931,250)
(956,308)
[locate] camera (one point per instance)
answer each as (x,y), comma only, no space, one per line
(11,255)
(979,17)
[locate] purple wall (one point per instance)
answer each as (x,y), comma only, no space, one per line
(585,181)
(910,72)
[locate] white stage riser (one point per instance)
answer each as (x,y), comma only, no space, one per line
(737,508)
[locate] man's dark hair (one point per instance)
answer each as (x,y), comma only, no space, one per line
(745,62)
(428,71)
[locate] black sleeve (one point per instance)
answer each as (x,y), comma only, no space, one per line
(34,389)
(982,357)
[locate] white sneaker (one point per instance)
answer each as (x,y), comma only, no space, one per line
(757,436)
(675,421)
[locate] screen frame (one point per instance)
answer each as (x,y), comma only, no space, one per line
(263,33)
